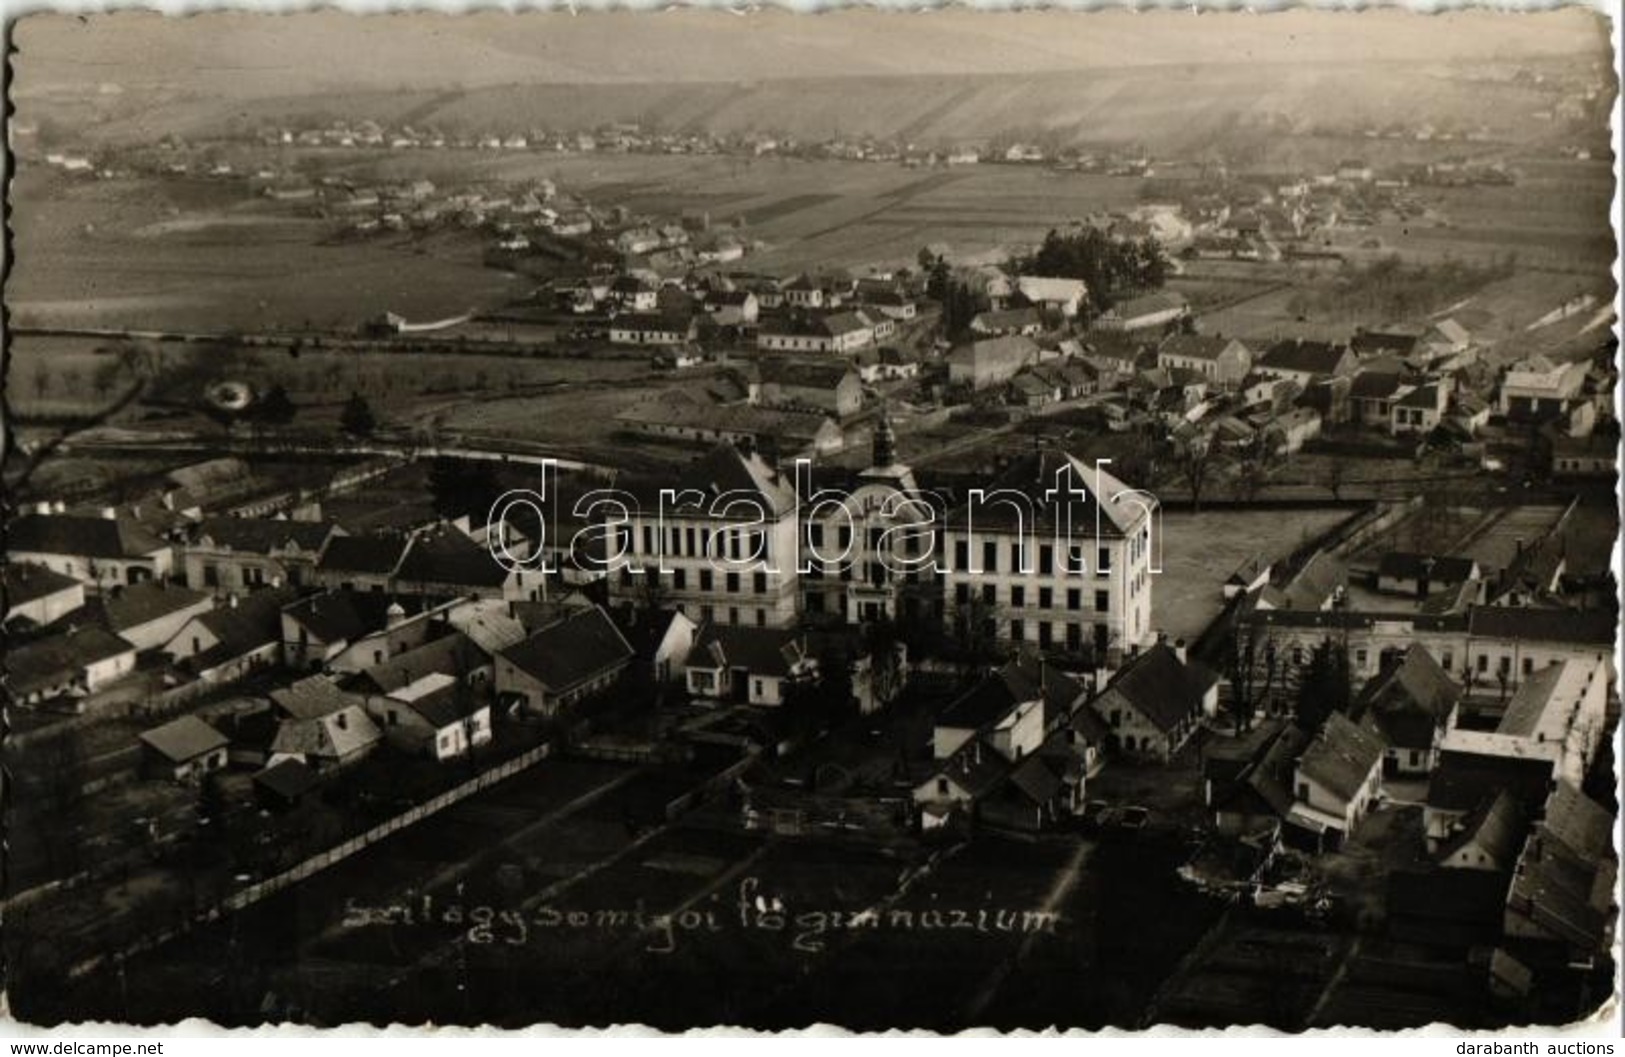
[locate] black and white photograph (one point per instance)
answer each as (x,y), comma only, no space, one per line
(752,519)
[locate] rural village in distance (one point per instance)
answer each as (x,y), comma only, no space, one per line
(1294,705)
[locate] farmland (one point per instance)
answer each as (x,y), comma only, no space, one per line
(370,939)
(809,214)
(201,255)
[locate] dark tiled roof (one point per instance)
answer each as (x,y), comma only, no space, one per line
(1530,702)
(1162,689)
(1565,893)
(1544,625)
(975,767)
(184,739)
(1404,565)
(571,651)
(90,537)
(1579,821)
(143,603)
(376,555)
(1342,756)
(1464,780)
(1498,825)
(1374,385)
(1036,779)
(253,621)
(25,583)
(454,654)
(1409,703)
(336,616)
(1315,357)
(38,664)
(822,374)
(444,555)
(1037,474)
(312,697)
(263,535)
(760,651)
(998,692)
(1195,346)
(289,779)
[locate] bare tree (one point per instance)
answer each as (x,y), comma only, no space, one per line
(1334,475)
(1194,459)
(1251,665)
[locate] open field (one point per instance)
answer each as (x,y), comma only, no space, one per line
(534,398)
(184,254)
(809,213)
(1199,550)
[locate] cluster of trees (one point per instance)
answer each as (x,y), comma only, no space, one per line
(1263,679)
(1110,267)
(959,302)
(357,418)
(1389,288)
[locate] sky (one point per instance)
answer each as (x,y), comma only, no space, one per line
(250,53)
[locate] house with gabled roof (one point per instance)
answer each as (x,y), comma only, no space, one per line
(1088,595)
(1157,309)
(832,386)
(1490,837)
(322,726)
(1223,361)
(285,785)
(995,324)
(146,614)
(1337,779)
(1411,703)
(562,663)
(319,627)
(959,782)
(228,554)
(37,596)
(240,636)
(1156,700)
(1014,751)
(1373,395)
(754,665)
(435,714)
(68,666)
(452,654)
(1007,705)
(1306,362)
(1464,781)
(1415,575)
(1557,713)
(96,551)
(183,750)
(1060,296)
(1562,893)
(362,562)
(991,361)
(653,328)
(1418,409)
(444,562)
(407,626)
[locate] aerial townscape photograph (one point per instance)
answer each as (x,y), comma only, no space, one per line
(710,519)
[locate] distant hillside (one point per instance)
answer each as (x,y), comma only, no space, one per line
(1239,107)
